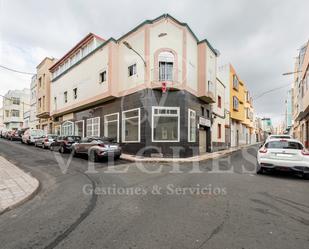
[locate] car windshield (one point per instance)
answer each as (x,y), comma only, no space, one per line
(284,145)
(72,138)
(52,136)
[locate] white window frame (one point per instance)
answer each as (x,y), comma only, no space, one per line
(165,115)
(123,125)
(67,122)
(106,122)
(189,125)
(99,124)
(80,121)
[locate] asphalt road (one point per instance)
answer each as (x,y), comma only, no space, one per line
(226,208)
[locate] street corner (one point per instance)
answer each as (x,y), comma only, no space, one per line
(16,186)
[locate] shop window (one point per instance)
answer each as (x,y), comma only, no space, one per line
(93,127)
(131,126)
(191,126)
(165,124)
(67,128)
(111,126)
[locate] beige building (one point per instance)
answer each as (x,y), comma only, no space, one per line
(301,96)
(43,81)
(151,87)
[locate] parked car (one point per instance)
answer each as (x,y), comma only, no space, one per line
(270,137)
(31,135)
(5,134)
(96,148)
(45,141)
(63,144)
(283,155)
(14,135)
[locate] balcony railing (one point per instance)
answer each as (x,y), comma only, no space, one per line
(172,79)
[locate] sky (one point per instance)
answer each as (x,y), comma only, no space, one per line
(259,38)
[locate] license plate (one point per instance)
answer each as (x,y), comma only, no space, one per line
(284,155)
(283,168)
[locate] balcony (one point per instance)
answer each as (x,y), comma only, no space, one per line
(171,80)
(42,113)
(208,95)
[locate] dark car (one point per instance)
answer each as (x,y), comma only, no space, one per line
(15,135)
(97,147)
(63,144)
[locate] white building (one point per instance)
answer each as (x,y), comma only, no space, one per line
(15,104)
(33,120)
(219,134)
(1,119)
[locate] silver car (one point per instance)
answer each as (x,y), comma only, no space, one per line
(45,141)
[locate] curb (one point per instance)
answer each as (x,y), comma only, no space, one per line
(212,155)
(23,200)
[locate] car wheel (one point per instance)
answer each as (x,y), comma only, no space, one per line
(93,157)
(62,150)
(259,169)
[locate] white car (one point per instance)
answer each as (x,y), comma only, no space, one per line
(284,155)
(31,135)
(270,137)
(45,141)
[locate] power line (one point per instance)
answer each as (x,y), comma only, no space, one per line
(16,71)
(269,91)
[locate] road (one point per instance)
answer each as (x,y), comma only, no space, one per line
(238,210)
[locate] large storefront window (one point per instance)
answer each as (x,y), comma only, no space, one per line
(67,128)
(131,126)
(93,127)
(79,128)
(165,124)
(111,126)
(191,126)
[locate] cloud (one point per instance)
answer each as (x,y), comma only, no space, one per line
(260,38)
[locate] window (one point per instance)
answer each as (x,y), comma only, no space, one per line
(75,93)
(131,126)
(235,103)
(207,114)
(166,62)
(93,127)
(284,145)
(165,124)
(67,128)
(40,103)
(65,94)
(7,113)
(111,126)
(219,131)
(247,113)
(203,111)
(103,76)
(79,128)
(235,82)
(219,101)
(15,113)
(15,101)
(191,126)
(210,86)
(132,70)
(40,82)
(43,102)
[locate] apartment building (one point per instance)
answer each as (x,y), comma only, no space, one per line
(15,104)
(220,125)
(151,89)
(301,96)
(42,82)
(240,107)
(288,120)
(1,119)
(33,120)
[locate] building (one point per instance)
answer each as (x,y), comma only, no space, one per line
(43,102)
(15,104)
(151,89)
(239,104)
(1,119)
(220,132)
(267,126)
(33,120)
(259,133)
(301,96)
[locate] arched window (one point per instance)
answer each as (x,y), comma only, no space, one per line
(67,128)
(166,63)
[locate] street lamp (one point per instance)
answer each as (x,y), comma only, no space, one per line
(128,45)
(289,73)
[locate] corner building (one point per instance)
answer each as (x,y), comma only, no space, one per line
(151,89)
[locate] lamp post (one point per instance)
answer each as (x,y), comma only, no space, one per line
(128,45)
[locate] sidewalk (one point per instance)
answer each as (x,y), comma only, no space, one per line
(15,185)
(203,157)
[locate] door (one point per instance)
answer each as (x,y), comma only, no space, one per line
(202,139)
(237,138)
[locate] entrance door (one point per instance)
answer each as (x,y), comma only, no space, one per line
(237,138)
(202,139)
